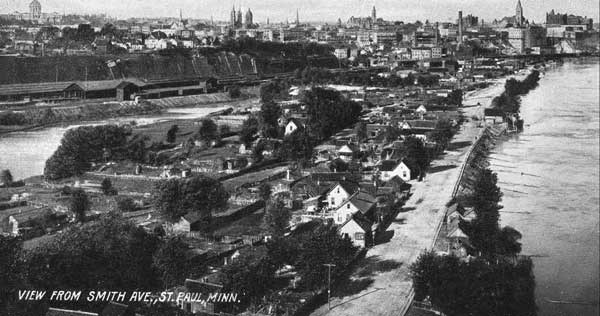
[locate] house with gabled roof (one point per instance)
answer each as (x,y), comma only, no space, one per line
(293,125)
(389,169)
(341,192)
(360,202)
(188,223)
(359,229)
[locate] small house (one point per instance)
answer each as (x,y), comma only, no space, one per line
(360,202)
(359,229)
(493,116)
(341,192)
(394,168)
(293,125)
(188,223)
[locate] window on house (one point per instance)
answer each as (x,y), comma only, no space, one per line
(332,201)
(347,216)
(339,218)
(348,205)
(359,236)
(404,174)
(338,190)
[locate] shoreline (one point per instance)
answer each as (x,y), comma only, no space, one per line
(162,111)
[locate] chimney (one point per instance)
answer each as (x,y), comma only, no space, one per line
(460,27)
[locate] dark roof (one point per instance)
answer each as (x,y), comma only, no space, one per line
(363,201)
(388,165)
(349,187)
(65,312)
(493,112)
(422,124)
(330,176)
(43,87)
(193,217)
(99,85)
(363,222)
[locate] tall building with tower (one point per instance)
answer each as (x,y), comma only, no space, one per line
(519,18)
(374,14)
(35,10)
(460,26)
(249,21)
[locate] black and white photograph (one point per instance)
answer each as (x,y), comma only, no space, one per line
(299,158)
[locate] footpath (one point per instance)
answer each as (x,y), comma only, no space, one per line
(417,225)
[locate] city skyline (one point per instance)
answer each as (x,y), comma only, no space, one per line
(312,10)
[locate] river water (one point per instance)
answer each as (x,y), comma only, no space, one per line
(550,174)
(25,153)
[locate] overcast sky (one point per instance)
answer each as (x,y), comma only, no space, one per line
(315,10)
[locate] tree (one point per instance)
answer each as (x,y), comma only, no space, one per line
(329,112)
(320,246)
(235,92)
(249,130)
(443,133)
(81,146)
(6,178)
(297,146)
(417,153)
(208,130)
(107,187)
(269,116)
(277,217)
(126,205)
(421,273)
(250,276)
(475,287)
(172,133)
(170,260)
(11,272)
(224,130)
(455,97)
(264,191)
(79,204)
(361,131)
(178,197)
(110,253)
(338,165)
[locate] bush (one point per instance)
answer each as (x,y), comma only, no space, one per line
(107,187)
(235,92)
(126,205)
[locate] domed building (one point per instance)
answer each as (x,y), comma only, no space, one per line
(35,10)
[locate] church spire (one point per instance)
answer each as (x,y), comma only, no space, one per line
(519,19)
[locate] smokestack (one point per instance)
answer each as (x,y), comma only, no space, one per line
(460,26)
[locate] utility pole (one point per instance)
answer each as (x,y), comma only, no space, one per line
(329,265)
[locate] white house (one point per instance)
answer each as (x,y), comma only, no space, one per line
(358,229)
(340,193)
(186,223)
(292,126)
(391,168)
(360,202)
(347,152)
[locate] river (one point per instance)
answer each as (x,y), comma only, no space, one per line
(25,153)
(550,174)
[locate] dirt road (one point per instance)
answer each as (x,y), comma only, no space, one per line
(414,229)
